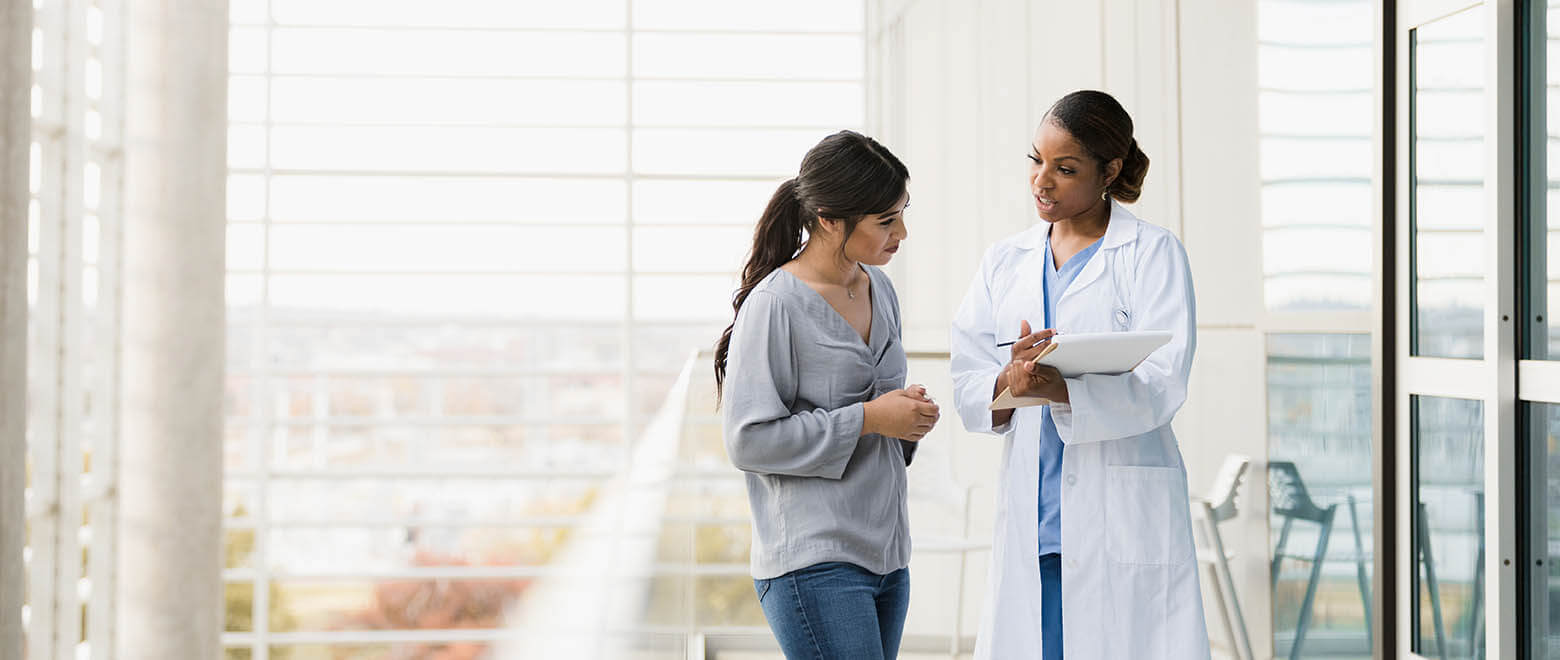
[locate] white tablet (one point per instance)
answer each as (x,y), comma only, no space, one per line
(1090,353)
(1103,352)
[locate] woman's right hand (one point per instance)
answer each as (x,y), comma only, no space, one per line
(1028,347)
(1029,344)
(907,414)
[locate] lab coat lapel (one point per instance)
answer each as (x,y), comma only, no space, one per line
(1024,298)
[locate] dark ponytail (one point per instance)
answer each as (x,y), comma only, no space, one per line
(776,239)
(845,177)
(1098,122)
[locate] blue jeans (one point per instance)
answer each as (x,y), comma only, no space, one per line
(1051,607)
(836,610)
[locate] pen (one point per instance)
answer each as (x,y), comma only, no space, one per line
(1010,342)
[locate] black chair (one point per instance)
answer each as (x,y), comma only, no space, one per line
(1476,632)
(1290,499)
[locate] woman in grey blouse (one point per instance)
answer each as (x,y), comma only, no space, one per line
(812,377)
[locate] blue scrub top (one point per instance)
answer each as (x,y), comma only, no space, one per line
(1056,282)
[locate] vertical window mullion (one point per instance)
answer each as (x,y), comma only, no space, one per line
(74,338)
(629,432)
(264,399)
(103,505)
(46,364)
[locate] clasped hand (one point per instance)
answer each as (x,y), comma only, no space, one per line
(907,414)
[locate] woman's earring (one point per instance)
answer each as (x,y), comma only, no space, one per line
(1105,194)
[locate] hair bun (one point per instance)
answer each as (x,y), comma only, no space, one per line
(1098,122)
(1128,185)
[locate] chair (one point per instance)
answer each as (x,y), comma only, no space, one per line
(962,546)
(1427,558)
(1217,506)
(1290,499)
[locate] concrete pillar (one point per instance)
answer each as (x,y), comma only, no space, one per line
(16,17)
(170,560)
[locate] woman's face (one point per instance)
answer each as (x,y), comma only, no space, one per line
(876,238)
(1064,178)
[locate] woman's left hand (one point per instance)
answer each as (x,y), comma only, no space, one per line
(1029,378)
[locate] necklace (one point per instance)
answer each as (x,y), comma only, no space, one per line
(850,290)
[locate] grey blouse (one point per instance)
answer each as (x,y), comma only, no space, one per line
(797,374)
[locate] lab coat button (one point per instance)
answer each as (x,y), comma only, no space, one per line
(1072,479)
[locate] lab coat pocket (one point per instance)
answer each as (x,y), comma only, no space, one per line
(1147,519)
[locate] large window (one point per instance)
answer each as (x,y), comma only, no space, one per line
(1321,516)
(1314,104)
(472,247)
(1315,117)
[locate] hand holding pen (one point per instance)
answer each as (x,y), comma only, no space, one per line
(1024,375)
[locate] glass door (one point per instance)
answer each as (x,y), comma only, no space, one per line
(1455,366)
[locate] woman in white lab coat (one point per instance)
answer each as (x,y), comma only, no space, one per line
(1093,555)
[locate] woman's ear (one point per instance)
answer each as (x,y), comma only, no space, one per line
(829,226)
(1112,170)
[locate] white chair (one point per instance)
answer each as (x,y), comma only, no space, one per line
(1217,506)
(962,547)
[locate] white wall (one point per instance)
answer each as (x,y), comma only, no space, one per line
(956,90)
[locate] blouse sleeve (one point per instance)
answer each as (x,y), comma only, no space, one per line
(762,434)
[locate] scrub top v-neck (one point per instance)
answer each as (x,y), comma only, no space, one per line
(1056,282)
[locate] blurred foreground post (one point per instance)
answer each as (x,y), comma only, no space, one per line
(16,19)
(170,561)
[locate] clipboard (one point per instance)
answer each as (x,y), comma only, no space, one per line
(1089,353)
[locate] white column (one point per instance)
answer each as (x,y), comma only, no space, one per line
(16,17)
(170,562)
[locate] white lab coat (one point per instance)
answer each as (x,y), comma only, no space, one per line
(1129,570)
